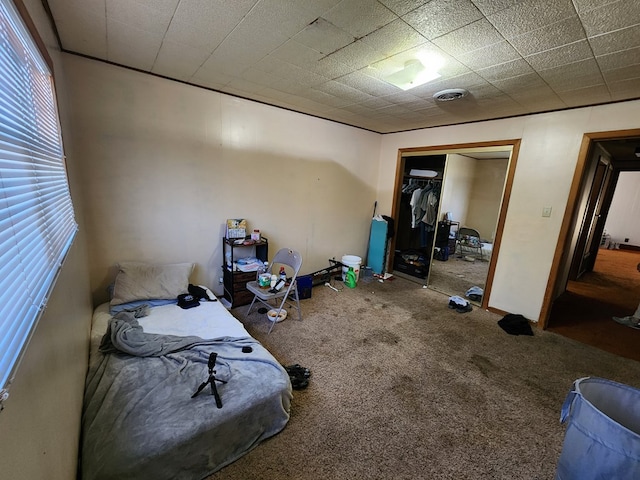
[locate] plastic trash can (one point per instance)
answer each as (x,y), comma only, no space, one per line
(602,440)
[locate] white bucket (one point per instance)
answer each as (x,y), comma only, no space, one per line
(351,261)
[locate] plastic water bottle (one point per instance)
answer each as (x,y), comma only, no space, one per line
(261,280)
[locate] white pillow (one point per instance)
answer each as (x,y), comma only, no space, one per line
(141,281)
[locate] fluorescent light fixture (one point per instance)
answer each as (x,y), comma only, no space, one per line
(412,75)
(417,71)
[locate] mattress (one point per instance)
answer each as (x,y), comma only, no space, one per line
(139,418)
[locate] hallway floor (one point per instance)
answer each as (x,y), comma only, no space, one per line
(584,311)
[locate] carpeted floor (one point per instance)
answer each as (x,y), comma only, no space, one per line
(403,387)
(458,274)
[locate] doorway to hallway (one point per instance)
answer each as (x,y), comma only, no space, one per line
(583,312)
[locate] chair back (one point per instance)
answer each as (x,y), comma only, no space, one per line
(470,232)
(291,258)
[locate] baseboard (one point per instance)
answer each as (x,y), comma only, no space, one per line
(629,247)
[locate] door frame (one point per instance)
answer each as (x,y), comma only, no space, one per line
(514,144)
(570,220)
(597,206)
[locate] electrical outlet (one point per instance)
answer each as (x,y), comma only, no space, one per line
(546,211)
(626,240)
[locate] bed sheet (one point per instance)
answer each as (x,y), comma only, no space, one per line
(139,420)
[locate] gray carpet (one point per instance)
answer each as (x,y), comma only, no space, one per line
(402,387)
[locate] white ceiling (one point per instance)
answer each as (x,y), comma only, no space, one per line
(327,57)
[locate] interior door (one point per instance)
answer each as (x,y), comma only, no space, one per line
(593,224)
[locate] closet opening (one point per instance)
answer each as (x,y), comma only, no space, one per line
(450,203)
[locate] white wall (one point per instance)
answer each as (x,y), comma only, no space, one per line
(623,219)
(544,172)
(165,164)
(40,425)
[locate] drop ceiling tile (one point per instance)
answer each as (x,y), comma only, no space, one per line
(584,5)
(271,16)
(573,76)
(615,41)
(238,48)
(82,30)
(621,74)
(205,23)
(267,80)
(97,7)
(540,99)
(328,67)
(315,8)
(612,16)
(210,78)
(615,60)
(296,53)
(144,16)
(515,68)
(376,103)
(470,37)
(359,17)
(359,109)
(323,37)
(586,96)
(557,57)
(551,36)
(625,90)
(356,55)
(220,65)
(468,81)
(450,15)
(366,83)
(490,55)
(240,86)
(179,61)
(400,7)
(531,15)
(523,83)
(394,37)
(341,90)
(488,7)
(326,98)
(130,46)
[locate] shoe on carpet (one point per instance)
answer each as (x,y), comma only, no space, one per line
(299,376)
(629,321)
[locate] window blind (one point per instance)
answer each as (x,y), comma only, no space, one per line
(37,222)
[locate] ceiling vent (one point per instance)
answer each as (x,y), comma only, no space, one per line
(449,94)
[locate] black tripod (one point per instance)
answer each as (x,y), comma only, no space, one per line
(211,381)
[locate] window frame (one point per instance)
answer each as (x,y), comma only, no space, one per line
(33,167)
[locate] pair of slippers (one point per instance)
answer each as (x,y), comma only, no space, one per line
(299,376)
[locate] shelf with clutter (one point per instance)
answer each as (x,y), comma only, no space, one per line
(242,256)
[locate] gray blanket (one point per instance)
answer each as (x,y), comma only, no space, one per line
(140,422)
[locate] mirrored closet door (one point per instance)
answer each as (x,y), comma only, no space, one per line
(449,247)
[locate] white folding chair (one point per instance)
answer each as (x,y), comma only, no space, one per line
(288,294)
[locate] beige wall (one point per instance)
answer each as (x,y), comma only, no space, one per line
(486,196)
(455,197)
(545,166)
(163,165)
(40,425)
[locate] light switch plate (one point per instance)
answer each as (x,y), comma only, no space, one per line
(546,211)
